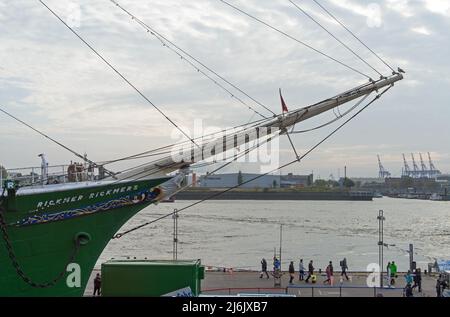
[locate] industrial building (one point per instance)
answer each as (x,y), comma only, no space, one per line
(266,181)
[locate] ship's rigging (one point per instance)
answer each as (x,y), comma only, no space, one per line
(277,124)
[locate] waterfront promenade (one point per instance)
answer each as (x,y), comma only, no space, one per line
(227,283)
(219,283)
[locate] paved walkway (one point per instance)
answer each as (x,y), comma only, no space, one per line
(220,283)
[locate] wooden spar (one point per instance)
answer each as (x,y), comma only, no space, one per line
(311,111)
(227,142)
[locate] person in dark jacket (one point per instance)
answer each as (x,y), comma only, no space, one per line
(291,272)
(97,284)
(418,280)
(310,271)
(438,288)
(408,291)
(264,268)
(344,268)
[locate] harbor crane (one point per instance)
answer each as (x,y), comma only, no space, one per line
(416,172)
(406,168)
(383,172)
(433,170)
(425,170)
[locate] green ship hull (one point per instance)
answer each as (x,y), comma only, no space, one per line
(43,228)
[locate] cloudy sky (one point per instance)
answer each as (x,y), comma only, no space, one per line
(51,80)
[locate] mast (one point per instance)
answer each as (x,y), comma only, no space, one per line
(272,128)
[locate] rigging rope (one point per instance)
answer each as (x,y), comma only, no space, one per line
(335,37)
(118,73)
(334,120)
(295,39)
(244,127)
(53,140)
(156,169)
(353,34)
(118,236)
(177,49)
(378,96)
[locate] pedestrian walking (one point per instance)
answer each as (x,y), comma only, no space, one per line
(97,284)
(344,268)
(418,280)
(329,272)
(388,275)
(409,278)
(438,288)
(276,264)
(393,272)
(291,272)
(301,271)
(263,268)
(310,271)
(408,291)
(444,284)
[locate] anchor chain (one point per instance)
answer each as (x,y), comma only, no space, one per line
(15,262)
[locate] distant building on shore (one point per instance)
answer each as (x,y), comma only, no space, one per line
(443,178)
(266,181)
(363,181)
(296,181)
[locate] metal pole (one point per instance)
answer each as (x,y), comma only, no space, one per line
(411,256)
(175,234)
(382,248)
(381,244)
(281,241)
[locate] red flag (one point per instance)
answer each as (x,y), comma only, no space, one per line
(283,104)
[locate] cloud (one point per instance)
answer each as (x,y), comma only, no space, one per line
(421,30)
(51,80)
(438,6)
(402,7)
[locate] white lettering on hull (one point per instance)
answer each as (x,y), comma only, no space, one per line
(72,199)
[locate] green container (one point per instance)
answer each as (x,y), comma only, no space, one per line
(143,278)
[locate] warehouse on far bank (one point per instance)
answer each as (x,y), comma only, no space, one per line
(266,181)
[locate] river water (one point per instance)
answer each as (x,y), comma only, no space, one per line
(237,234)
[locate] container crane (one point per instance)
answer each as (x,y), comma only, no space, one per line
(383,173)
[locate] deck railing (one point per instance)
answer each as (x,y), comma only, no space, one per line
(311,291)
(56,174)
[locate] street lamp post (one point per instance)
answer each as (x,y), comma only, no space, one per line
(381,243)
(281,241)
(175,234)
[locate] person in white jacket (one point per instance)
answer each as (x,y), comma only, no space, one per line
(301,271)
